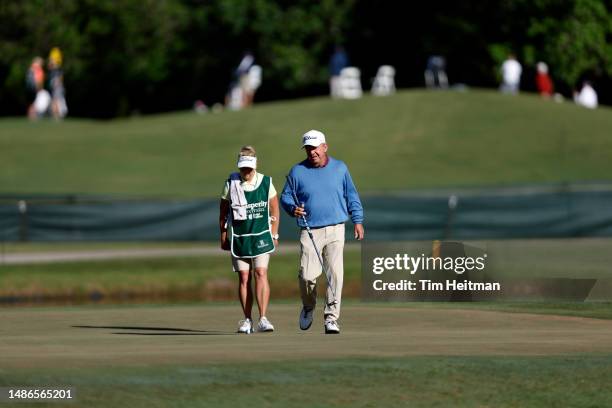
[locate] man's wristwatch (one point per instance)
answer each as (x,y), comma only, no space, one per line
(274,236)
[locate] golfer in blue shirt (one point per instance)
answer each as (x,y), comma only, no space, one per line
(326,198)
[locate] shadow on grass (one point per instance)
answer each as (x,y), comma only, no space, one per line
(170,331)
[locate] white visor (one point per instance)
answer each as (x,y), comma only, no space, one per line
(247,161)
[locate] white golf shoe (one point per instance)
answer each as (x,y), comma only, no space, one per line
(264,325)
(306,318)
(245,326)
(331,327)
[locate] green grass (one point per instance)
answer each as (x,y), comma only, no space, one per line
(210,276)
(596,310)
(423,139)
(387,355)
(50,247)
(79,279)
(399,381)
(187,278)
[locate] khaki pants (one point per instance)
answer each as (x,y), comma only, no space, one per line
(330,242)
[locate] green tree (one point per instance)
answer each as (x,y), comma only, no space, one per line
(577,41)
(292,40)
(155,55)
(114,52)
(573,36)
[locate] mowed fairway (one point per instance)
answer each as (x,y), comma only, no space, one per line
(386,354)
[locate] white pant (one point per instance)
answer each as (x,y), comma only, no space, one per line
(330,242)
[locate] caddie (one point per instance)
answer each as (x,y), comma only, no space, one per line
(326,198)
(249,210)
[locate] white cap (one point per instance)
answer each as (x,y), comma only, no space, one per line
(247,161)
(313,138)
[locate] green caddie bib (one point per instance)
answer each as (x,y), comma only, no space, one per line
(253,237)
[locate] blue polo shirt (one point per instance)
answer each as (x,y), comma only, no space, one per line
(328,194)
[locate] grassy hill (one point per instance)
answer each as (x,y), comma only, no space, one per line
(415,139)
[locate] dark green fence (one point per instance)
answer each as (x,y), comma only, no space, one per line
(518,212)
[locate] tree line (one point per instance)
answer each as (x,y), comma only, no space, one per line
(129,56)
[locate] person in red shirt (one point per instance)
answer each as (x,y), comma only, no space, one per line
(543,82)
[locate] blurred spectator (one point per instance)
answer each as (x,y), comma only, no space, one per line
(246,80)
(338,61)
(435,72)
(35,75)
(511,71)
(587,96)
(59,109)
(35,78)
(543,81)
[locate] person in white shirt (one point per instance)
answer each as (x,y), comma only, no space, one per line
(249,210)
(587,96)
(511,71)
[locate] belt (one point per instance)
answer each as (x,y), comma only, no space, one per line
(323,226)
